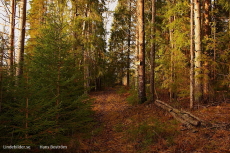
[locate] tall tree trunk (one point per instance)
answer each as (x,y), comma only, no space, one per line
(207,34)
(58,83)
(27,108)
(152,54)
(137,59)
(122,59)
(197,31)
(136,52)
(129,40)
(141,46)
(1,71)
(85,54)
(10,60)
(171,90)
(74,15)
(191,56)
(21,37)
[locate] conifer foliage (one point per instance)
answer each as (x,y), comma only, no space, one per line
(47,105)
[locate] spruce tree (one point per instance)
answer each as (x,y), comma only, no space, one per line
(48,105)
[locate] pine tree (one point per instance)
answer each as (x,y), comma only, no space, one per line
(22,28)
(206,55)
(198,51)
(10,60)
(191,55)
(141,56)
(152,54)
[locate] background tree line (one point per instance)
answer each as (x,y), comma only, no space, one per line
(185,51)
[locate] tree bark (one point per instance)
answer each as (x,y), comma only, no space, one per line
(21,38)
(207,34)
(85,54)
(152,54)
(129,40)
(197,31)
(191,56)
(10,60)
(171,40)
(141,46)
(137,60)
(1,70)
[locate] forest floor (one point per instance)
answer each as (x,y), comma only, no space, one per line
(125,128)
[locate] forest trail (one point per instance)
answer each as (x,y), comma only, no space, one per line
(126,128)
(110,108)
(123,128)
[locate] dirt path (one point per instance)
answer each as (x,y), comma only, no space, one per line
(110,109)
(118,121)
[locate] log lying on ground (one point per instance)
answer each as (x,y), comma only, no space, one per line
(182,116)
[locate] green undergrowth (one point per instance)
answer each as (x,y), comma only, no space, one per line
(132,93)
(133,99)
(121,90)
(150,132)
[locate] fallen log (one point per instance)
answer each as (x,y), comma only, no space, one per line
(180,115)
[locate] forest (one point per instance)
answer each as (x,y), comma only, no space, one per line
(115,76)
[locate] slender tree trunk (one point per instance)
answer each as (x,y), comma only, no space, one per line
(141,46)
(21,38)
(214,56)
(58,85)
(207,34)
(122,59)
(129,40)
(27,116)
(1,71)
(10,60)
(171,90)
(213,31)
(75,14)
(191,56)
(213,76)
(197,31)
(85,54)
(27,107)
(152,54)
(137,59)
(172,61)
(136,52)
